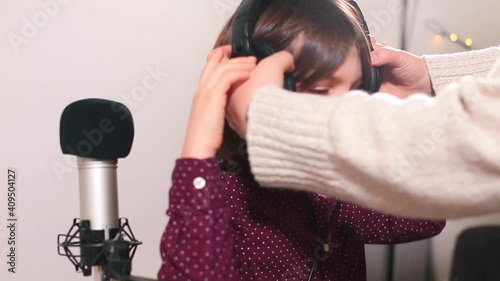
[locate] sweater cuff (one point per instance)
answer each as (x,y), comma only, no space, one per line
(285,131)
(447,68)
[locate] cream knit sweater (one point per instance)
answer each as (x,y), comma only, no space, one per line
(435,158)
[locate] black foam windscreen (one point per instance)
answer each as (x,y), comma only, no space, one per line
(96,128)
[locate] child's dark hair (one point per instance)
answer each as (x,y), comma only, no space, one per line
(319,34)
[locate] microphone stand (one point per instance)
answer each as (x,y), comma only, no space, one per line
(110,258)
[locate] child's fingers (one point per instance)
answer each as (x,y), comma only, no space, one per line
(216,56)
(226,72)
(220,73)
(285,61)
(212,70)
(271,69)
(213,59)
(227,50)
(226,67)
(230,79)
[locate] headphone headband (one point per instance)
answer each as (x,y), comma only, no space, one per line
(376,72)
(245,18)
(363,22)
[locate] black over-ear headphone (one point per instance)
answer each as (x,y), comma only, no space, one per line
(246,16)
(376,72)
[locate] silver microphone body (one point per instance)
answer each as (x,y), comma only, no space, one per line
(98,193)
(99,198)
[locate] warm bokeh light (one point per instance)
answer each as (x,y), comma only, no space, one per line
(468,42)
(453,37)
(438,38)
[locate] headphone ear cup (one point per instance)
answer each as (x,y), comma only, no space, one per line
(290,83)
(265,49)
(375,79)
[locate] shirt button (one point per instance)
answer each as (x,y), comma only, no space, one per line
(199,183)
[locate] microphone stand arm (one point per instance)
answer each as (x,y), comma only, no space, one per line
(111,259)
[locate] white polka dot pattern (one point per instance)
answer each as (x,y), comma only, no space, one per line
(231,229)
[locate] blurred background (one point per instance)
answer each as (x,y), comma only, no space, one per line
(54,52)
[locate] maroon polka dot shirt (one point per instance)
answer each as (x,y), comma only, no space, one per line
(225,227)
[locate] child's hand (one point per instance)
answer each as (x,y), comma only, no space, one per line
(206,123)
(404,73)
(269,71)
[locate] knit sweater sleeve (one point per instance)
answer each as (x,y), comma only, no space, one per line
(420,157)
(447,68)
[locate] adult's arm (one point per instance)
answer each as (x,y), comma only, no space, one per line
(422,157)
(449,68)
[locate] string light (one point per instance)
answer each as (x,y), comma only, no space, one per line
(440,34)
(454,38)
(467,43)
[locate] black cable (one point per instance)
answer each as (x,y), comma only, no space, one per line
(325,235)
(311,271)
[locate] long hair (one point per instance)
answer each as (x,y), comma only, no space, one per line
(318,33)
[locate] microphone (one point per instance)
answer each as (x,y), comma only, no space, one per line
(98,132)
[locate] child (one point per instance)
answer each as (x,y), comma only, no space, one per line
(222,225)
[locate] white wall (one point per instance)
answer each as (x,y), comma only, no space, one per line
(105,49)
(95,49)
(475,19)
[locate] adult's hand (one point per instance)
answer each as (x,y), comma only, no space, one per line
(404,73)
(269,71)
